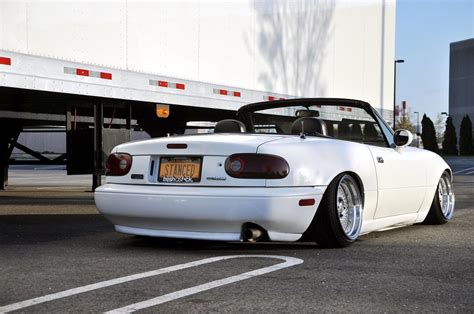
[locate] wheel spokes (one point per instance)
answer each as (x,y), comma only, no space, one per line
(446,196)
(349,207)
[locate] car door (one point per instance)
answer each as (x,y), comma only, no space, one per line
(401,180)
(401,176)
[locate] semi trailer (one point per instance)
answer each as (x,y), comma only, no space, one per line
(100,69)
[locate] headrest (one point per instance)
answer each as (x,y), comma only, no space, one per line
(309,126)
(344,128)
(229,126)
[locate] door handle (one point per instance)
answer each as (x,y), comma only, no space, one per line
(380,160)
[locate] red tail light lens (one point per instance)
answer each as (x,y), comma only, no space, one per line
(118,164)
(256,166)
(307,202)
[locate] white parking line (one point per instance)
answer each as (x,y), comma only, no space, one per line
(463,170)
(289,261)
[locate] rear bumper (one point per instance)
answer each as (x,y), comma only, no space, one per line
(212,213)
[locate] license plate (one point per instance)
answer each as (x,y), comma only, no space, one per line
(180,169)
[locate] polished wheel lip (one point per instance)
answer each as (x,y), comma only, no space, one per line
(349,207)
(446,196)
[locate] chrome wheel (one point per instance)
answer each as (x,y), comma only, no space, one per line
(446,196)
(349,207)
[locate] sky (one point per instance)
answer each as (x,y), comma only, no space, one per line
(424,30)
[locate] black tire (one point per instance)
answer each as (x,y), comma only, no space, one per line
(435,215)
(326,227)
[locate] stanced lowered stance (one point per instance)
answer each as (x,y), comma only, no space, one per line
(325,170)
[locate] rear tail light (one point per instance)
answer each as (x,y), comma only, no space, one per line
(118,164)
(256,166)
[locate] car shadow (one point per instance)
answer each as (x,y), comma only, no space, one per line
(31,229)
(204,245)
(40,228)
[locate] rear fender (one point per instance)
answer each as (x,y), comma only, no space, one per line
(436,167)
(316,162)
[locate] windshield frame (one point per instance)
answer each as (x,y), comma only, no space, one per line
(245,112)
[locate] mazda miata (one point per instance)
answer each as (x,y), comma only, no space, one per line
(325,170)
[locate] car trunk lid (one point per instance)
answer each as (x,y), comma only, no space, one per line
(197,160)
(209,144)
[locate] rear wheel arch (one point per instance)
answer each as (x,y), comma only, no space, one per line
(359,182)
(442,206)
(326,228)
(450,172)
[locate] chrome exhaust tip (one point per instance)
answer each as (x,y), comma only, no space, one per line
(252,234)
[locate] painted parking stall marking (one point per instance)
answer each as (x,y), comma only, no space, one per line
(288,262)
(465,171)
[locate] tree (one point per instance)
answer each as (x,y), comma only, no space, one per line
(450,142)
(440,126)
(465,137)
(406,124)
(428,135)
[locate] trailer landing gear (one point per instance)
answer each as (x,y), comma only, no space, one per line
(9,132)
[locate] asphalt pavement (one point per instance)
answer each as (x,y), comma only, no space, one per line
(52,241)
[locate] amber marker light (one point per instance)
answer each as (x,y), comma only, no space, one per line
(162,111)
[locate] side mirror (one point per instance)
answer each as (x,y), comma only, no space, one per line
(402,138)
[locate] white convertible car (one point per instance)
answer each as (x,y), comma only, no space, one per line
(327,170)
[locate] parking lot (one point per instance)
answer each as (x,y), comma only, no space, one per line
(57,254)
